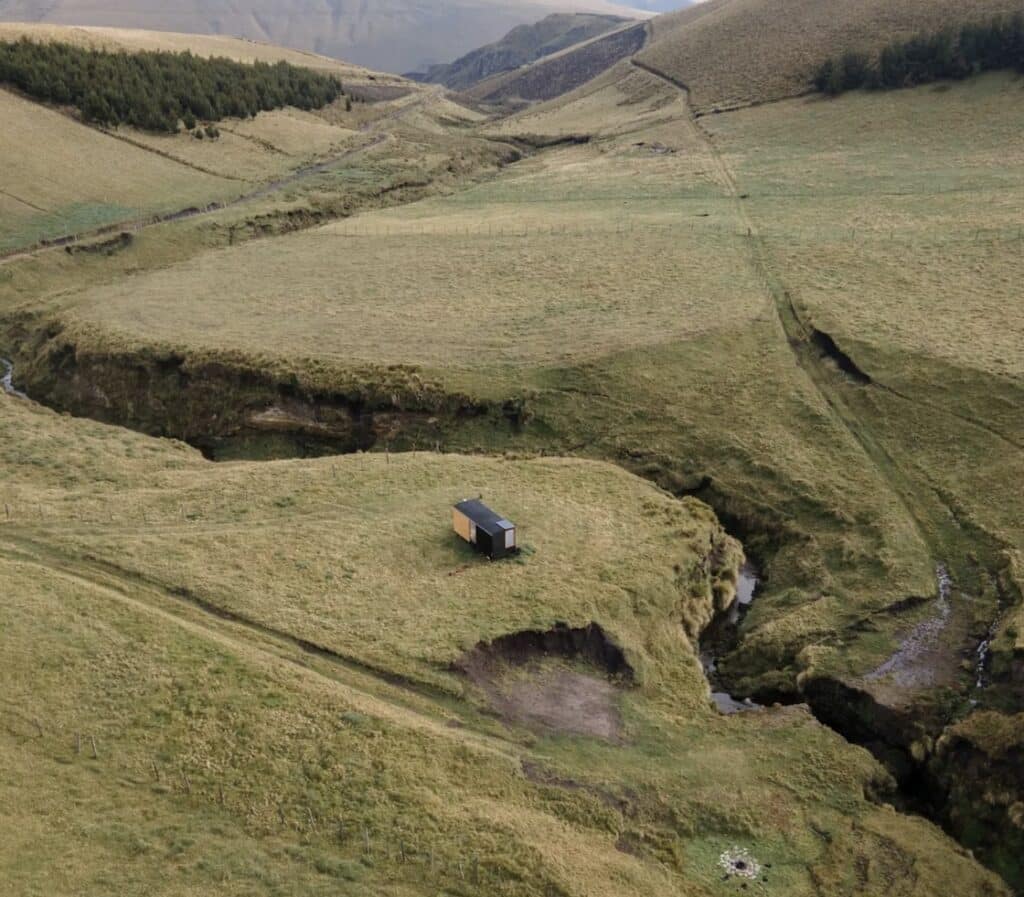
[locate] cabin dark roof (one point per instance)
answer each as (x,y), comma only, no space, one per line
(483,516)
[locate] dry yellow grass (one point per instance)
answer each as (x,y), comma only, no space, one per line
(897,218)
(737,52)
(76,178)
(576,255)
(272,144)
(622,100)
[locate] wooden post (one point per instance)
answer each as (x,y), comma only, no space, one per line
(95,753)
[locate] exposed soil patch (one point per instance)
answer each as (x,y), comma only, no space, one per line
(913,666)
(560,680)
(847,365)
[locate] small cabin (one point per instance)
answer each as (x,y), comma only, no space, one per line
(488,532)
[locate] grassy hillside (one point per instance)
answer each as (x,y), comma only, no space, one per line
(650,304)
(241,50)
(225,754)
(390,35)
(803,314)
(522,45)
(854,247)
(43,193)
(737,52)
(335,158)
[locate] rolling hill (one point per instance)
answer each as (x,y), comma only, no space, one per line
(389,35)
(733,53)
(749,384)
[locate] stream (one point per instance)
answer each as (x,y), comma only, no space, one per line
(723,631)
(7,380)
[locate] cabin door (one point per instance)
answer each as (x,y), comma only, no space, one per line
(484,542)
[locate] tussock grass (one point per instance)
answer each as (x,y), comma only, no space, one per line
(897,217)
(608,287)
(578,254)
(358,554)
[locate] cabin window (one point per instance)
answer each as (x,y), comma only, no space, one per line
(510,539)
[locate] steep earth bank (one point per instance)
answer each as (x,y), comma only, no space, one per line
(231,407)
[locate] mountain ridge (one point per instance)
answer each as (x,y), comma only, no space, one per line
(390,35)
(522,45)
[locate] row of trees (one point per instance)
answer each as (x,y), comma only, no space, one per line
(158,91)
(947,54)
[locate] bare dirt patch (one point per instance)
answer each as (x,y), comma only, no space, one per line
(562,680)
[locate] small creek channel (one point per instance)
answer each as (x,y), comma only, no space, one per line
(7,380)
(721,634)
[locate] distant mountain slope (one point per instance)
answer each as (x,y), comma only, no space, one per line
(388,35)
(659,5)
(522,45)
(738,52)
(561,72)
